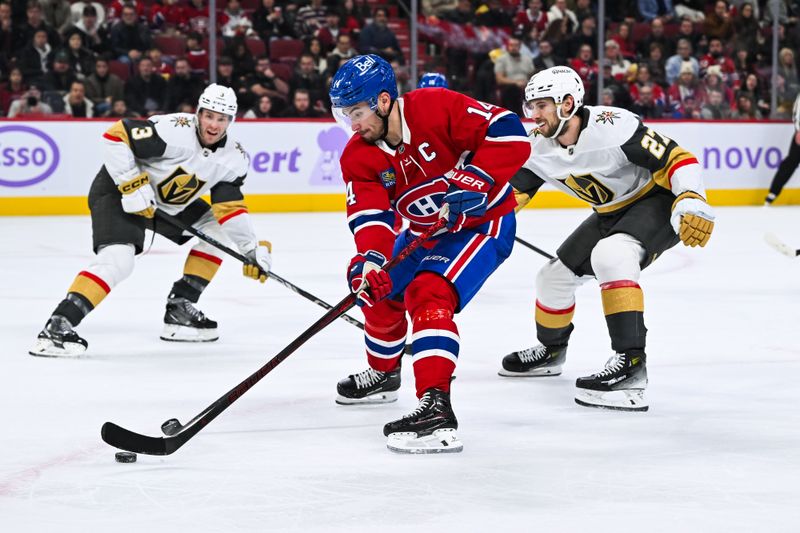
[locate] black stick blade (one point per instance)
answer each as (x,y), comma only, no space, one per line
(124,439)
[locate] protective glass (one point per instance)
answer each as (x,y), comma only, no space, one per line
(347,116)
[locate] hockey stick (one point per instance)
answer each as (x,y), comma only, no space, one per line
(233,253)
(780,246)
(125,439)
(539,251)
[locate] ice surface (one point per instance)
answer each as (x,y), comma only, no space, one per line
(719,449)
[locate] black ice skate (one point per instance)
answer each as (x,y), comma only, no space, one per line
(57,339)
(538,361)
(183,322)
(369,386)
(430,428)
(620,385)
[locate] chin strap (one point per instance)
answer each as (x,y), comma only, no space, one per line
(563,121)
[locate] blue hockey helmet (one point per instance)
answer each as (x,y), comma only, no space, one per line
(362,79)
(432,79)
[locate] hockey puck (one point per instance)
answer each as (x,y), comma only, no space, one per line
(125,457)
(171,427)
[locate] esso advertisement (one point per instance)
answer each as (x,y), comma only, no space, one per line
(28,155)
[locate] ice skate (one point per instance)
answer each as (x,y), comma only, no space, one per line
(369,386)
(620,385)
(538,361)
(58,339)
(430,428)
(183,322)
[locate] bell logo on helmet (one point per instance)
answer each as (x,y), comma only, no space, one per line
(365,64)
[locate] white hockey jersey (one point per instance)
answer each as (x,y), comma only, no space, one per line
(180,169)
(615,161)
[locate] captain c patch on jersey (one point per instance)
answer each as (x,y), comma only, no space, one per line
(179,187)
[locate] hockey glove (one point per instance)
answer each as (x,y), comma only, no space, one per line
(467,196)
(692,219)
(367,280)
(260,262)
(138,198)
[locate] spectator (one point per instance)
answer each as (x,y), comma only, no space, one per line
(743,65)
(559,11)
(651,9)
(646,105)
(623,39)
(686,31)
(656,65)
(262,110)
(114,13)
(103,87)
(715,80)
(377,38)
(620,67)
(586,35)
(29,105)
(583,9)
(676,63)
(119,109)
(307,77)
(686,94)
(512,71)
(197,14)
(608,98)
(532,17)
(344,50)
(265,81)
(620,88)
(244,64)
(314,49)
(183,87)
(269,22)
(330,31)
(197,54)
(310,19)
(715,107)
(745,108)
(36,58)
(6,31)
(60,77)
(129,37)
(715,56)
(718,22)
(463,14)
(75,102)
(402,78)
(558,36)
(81,60)
(160,67)
(169,15)
(78,8)
(235,21)
(351,16)
(656,35)
(752,88)
(585,66)
(643,79)
(227,78)
(145,92)
(493,15)
(745,27)
(787,72)
(57,14)
(35,22)
(546,59)
(530,43)
(301,106)
(94,36)
(11,90)
(437,7)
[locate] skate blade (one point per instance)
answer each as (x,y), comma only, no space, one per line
(621,400)
(379,397)
(533,373)
(46,348)
(175,333)
(440,441)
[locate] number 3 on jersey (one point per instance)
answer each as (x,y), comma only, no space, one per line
(351,196)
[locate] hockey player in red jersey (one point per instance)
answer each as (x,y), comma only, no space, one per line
(430,154)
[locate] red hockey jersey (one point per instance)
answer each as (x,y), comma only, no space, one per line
(442,130)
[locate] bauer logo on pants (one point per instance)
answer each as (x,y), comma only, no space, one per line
(179,188)
(27,156)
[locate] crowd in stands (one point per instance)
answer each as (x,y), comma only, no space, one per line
(126,58)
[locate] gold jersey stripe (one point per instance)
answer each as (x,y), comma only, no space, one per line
(662,176)
(625,203)
(554,320)
(117,131)
(224,209)
(90,288)
(201,265)
(622,300)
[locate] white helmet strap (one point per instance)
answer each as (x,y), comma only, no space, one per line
(563,120)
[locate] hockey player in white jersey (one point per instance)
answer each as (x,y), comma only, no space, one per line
(165,162)
(647,194)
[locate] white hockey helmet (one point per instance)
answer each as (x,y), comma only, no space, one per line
(220,99)
(556,83)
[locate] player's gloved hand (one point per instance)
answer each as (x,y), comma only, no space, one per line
(367,280)
(138,198)
(692,219)
(260,262)
(467,196)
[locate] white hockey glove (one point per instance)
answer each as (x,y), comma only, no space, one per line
(138,198)
(692,219)
(261,262)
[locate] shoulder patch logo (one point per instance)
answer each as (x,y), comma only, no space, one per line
(179,187)
(237,145)
(607,117)
(388,178)
(181,122)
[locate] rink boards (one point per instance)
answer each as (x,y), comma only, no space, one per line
(46,166)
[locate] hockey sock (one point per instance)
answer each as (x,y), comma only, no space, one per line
(554,326)
(85,293)
(623,305)
(198,271)
(385,334)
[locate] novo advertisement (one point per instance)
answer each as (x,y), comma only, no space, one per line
(60,158)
